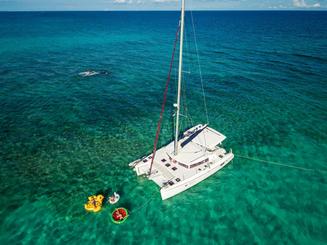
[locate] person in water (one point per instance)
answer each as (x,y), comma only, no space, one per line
(94,202)
(119,215)
(114,197)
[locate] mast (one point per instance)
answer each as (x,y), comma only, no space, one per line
(180,67)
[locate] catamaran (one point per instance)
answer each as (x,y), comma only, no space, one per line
(193,155)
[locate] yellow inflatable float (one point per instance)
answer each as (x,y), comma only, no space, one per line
(94,203)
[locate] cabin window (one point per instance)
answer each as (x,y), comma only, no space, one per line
(145,160)
(183,165)
(199,163)
(178,179)
(170,182)
(163,160)
(167,165)
(174,168)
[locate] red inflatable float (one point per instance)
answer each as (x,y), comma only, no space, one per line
(119,215)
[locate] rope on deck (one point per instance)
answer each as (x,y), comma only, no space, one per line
(280,164)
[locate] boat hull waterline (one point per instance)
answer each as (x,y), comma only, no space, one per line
(188,183)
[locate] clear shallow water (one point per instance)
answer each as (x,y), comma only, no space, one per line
(64,137)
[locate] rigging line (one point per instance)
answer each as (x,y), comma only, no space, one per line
(280,164)
(200,71)
(189,68)
(164,100)
(185,105)
(201,79)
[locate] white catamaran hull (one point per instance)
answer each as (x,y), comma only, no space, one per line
(170,191)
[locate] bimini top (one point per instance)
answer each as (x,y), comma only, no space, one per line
(209,138)
(194,144)
(203,136)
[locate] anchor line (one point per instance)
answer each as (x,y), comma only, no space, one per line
(280,164)
(144,204)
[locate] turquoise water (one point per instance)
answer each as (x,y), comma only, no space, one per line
(64,137)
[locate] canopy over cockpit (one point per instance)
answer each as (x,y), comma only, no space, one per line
(194,145)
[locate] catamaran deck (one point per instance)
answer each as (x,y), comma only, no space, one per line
(197,149)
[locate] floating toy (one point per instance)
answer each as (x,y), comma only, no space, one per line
(119,215)
(94,203)
(114,198)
